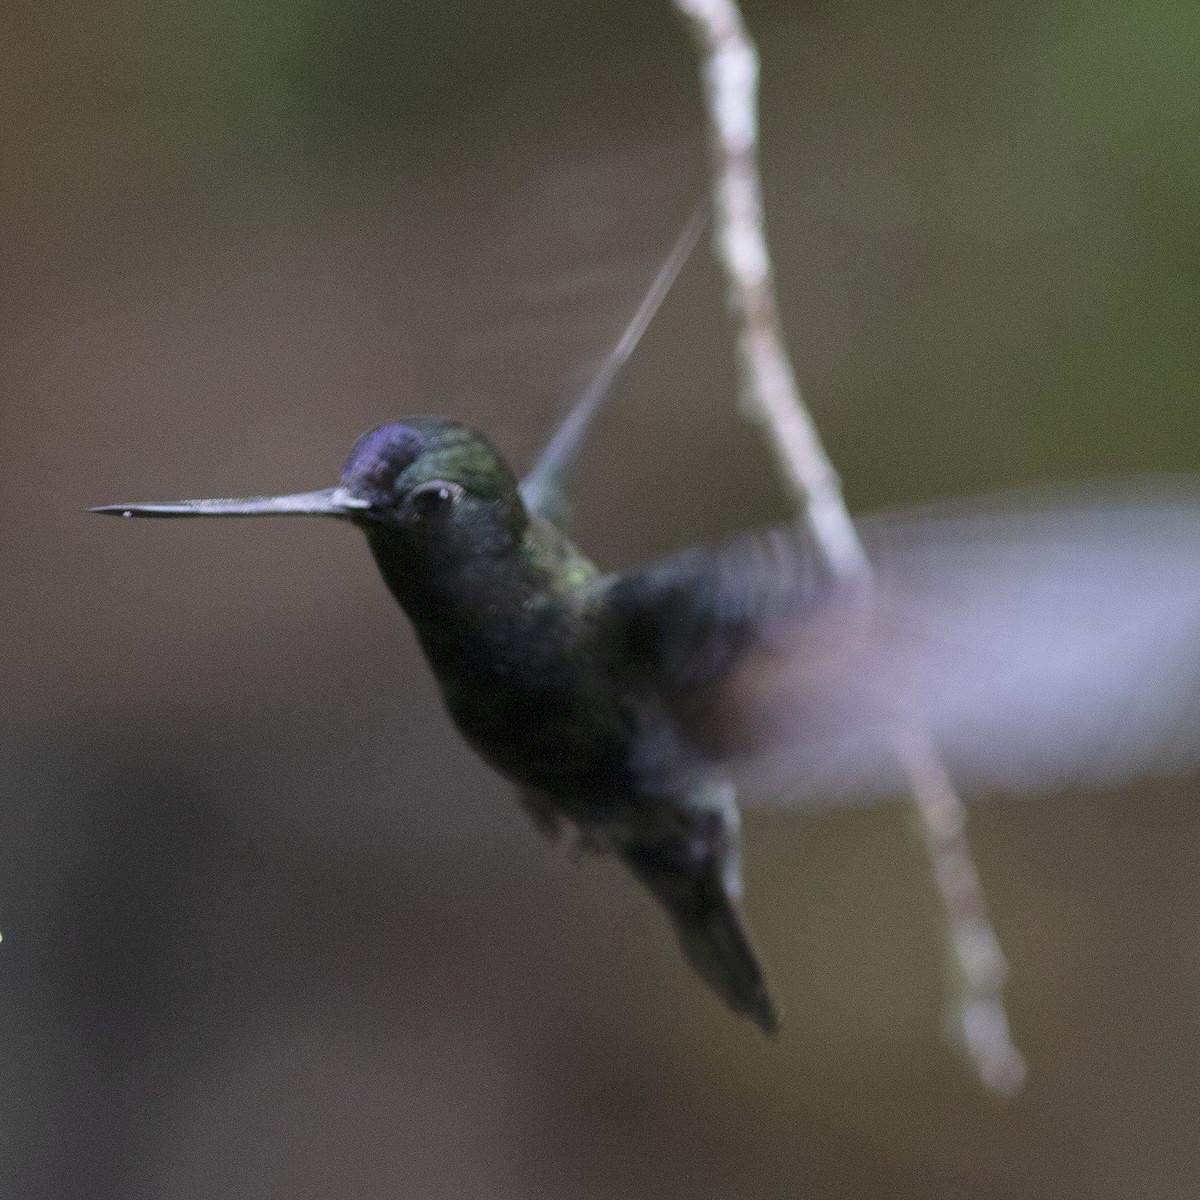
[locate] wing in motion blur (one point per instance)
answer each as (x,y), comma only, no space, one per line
(1040,640)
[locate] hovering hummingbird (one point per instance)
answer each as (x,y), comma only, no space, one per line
(1038,641)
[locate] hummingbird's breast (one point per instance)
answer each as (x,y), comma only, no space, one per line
(542,697)
(534,670)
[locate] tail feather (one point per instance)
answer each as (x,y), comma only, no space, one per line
(711,932)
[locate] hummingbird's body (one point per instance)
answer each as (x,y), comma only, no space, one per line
(542,675)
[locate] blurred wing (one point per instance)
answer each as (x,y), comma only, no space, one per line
(1039,641)
(542,488)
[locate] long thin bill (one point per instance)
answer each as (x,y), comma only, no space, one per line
(330,502)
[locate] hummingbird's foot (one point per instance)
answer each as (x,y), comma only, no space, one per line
(550,823)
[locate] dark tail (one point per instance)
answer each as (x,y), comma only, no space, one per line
(710,929)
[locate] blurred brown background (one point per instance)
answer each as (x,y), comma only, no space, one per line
(269,928)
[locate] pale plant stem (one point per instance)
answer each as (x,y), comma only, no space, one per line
(975,968)
(769,395)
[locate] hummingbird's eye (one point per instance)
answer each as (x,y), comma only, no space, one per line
(433,499)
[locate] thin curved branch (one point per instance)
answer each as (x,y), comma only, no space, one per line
(976,969)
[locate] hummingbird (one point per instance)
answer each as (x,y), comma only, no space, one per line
(1040,641)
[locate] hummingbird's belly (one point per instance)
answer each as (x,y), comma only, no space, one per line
(564,736)
(553,744)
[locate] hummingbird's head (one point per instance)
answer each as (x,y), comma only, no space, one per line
(431,481)
(428,487)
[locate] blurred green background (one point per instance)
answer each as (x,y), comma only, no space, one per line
(269,928)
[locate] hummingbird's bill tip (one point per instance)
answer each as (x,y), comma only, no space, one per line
(114,510)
